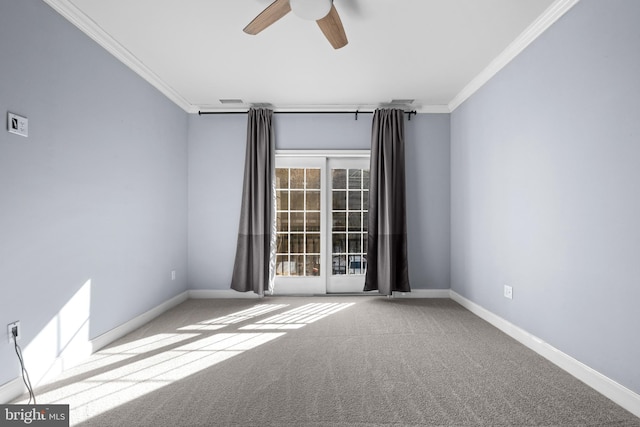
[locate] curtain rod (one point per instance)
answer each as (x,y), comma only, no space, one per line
(203,113)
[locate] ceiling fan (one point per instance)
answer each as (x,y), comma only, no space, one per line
(321,11)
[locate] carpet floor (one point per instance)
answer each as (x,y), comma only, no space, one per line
(325,361)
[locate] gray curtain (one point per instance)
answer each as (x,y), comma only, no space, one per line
(255,253)
(387,266)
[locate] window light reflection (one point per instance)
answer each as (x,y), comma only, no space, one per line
(240,316)
(298,317)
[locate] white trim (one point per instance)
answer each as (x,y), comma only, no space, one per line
(423,293)
(532,32)
(91,28)
(133,324)
(220,294)
(11,390)
(328,108)
(621,395)
(323,153)
(433,109)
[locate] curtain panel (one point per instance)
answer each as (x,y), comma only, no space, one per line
(255,250)
(387,265)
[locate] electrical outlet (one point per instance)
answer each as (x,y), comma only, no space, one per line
(508,292)
(173,275)
(10,329)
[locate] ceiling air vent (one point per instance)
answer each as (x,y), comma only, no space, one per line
(231,101)
(402,101)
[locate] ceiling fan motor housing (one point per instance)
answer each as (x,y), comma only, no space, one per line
(311,10)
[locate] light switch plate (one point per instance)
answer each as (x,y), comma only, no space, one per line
(18,124)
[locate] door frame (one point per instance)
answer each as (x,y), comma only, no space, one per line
(312,285)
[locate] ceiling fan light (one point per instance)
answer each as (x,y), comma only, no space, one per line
(311,9)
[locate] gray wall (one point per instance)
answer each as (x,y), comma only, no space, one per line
(544,189)
(216,160)
(97,193)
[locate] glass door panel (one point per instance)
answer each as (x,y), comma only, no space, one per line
(299,225)
(349,200)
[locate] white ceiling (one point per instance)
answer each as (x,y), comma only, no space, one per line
(437,52)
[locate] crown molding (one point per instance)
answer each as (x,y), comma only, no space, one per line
(91,28)
(323,108)
(533,31)
(433,109)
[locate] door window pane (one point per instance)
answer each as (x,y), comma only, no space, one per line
(355,243)
(339,243)
(297,200)
(338,179)
(313,243)
(355,179)
(282,221)
(282,200)
(297,221)
(313,265)
(282,243)
(339,221)
(355,221)
(355,200)
(339,200)
(297,265)
(313,178)
(339,264)
(296,178)
(313,221)
(282,178)
(297,243)
(313,200)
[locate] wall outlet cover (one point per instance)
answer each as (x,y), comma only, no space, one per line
(508,292)
(10,327)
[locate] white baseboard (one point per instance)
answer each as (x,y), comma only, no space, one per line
(108,337)
(220,294)
(423,293)
(621,395)
(230,293)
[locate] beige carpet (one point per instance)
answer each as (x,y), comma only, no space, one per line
(325,361)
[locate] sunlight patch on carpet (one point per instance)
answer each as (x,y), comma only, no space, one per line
(122,373)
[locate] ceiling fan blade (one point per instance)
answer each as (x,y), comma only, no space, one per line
(332,28)
(271,14)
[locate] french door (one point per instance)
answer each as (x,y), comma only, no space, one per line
(321,222)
